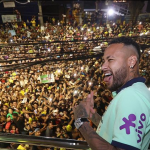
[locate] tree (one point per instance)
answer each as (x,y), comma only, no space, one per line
(135,8)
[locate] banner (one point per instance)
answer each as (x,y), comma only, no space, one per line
(8,4)
(11,18)
(47,78)
(12,32)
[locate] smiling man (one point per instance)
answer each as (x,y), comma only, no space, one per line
(126,123)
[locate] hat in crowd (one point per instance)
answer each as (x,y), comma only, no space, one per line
(6,104)
(15,114)
(37,129)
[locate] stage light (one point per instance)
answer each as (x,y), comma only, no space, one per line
(110,12)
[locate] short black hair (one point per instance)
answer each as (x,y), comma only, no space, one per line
(15,114)
(127,41)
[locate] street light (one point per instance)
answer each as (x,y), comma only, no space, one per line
(110,12)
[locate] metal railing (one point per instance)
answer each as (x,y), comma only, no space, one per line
(43,141)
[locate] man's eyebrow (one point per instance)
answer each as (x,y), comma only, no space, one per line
(107,57)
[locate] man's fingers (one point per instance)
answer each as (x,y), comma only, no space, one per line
(92,93)
(92,100)
(92,110)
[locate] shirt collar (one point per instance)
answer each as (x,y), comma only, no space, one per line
(132,81)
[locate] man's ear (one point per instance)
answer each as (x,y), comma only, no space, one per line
(132,60)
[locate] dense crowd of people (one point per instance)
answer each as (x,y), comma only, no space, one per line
(36,98)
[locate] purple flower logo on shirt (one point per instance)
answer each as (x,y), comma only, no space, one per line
(128,123)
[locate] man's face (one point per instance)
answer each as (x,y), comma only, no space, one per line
(115,67)
(38,133)
(34,124)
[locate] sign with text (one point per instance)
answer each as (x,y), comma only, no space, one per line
(10,18)
(47,78)
(8,4)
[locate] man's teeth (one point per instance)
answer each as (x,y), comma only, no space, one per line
(108,74)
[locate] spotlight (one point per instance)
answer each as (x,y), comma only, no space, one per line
(110,12)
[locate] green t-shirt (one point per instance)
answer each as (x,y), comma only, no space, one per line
(10,115)
(126,122)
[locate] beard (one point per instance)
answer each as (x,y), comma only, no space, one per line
(119,77)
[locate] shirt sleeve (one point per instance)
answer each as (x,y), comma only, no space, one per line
(130,121)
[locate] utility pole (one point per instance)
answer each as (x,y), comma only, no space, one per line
(40,14)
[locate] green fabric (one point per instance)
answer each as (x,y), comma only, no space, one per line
(130,105)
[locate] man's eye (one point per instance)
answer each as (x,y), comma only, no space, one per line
(110,59)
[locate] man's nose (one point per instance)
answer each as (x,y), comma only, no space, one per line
(104,66)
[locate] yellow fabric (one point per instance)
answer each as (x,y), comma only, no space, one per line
(21,147)
(43,112)
(11,81)
(30,120)
(33,23)
(22,92)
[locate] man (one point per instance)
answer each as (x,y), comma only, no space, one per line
(37,133)
(19,122)
(126,124)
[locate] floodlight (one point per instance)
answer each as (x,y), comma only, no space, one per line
(110,12)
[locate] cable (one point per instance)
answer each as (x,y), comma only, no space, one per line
(22,3)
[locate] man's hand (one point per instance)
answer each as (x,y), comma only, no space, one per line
(85,108)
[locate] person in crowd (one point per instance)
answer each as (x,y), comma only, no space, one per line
(40,92)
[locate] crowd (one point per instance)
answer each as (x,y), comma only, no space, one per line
(41,82)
